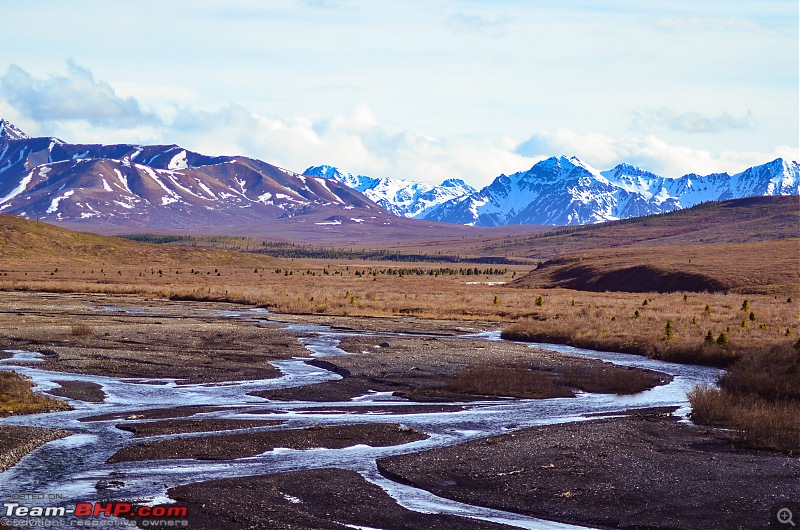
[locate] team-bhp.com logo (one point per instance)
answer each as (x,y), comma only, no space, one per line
(173,516)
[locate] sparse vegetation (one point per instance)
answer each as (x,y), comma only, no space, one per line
(759,396)
(17,397)
(517,380)
(81,330)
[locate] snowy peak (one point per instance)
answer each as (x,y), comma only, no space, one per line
(8,131)
(567,191)
(404,198)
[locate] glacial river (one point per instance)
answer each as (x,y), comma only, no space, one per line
(73,466)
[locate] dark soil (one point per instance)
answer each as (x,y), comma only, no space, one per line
(321,499)
(157,428)
(80,390)
(155,414)
(644,471)
(371,409)
(231,446)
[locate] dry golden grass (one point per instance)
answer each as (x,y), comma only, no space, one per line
(17,397)
(759,396)
(761,424)
(609,321)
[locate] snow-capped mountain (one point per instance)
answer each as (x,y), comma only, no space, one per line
(567,191)
(157,186)
(403,198)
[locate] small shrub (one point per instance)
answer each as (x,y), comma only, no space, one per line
(81,330)
(752,316)
(709,338)
(540,301)
(709,406)
(746,305)
(669,333)
(707,310)
(722,340)
(637,314)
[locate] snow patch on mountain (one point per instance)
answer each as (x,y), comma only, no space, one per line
(404,198)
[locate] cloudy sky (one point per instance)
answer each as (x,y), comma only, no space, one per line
(420,89)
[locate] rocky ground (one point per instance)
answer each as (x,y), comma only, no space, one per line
(80,390)
(643,471)
(188,341)
(16,442)
(230,446)
(321,499)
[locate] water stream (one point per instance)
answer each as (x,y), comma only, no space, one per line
(73,466)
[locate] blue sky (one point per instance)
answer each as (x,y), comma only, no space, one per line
(415,89)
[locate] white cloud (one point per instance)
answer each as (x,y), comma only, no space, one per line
(76,95)
(357,142)
(690,122)
(649,152)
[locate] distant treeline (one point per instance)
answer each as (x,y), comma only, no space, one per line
(292,250)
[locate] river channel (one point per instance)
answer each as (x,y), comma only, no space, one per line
(73,466)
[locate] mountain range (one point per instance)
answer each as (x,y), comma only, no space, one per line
(129,187)
(157,186)
(406,198)
(567,191)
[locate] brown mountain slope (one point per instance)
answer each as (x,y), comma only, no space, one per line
(23,241)
(758,267)
(735,221)
(744,245)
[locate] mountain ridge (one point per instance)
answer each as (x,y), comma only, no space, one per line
(563,191)
(401,197)
(159,186)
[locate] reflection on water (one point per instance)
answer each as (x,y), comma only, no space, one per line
(74,465)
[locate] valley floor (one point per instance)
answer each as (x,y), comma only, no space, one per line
(636,469)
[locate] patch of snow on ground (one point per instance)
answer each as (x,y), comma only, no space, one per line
(19,189)
(178,161)
(54,203)
(122,178)
(205,188)
(106,186)
(331,223)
